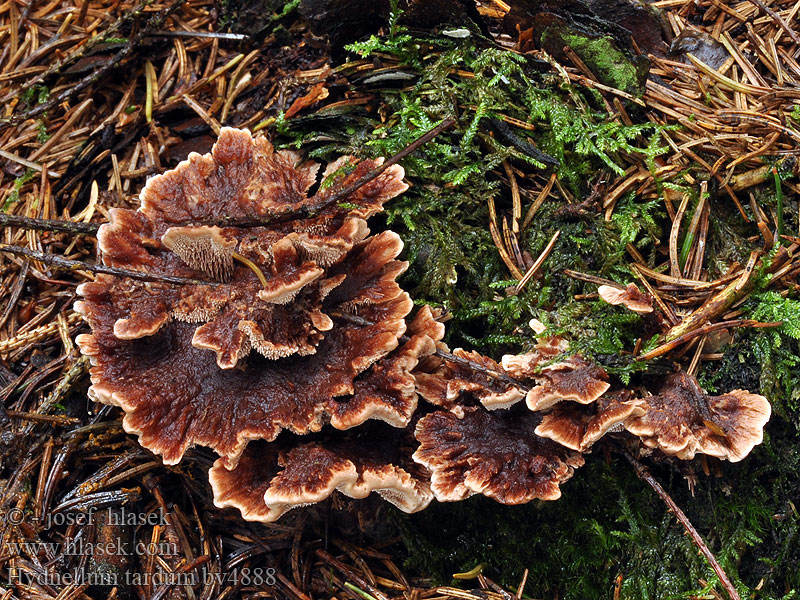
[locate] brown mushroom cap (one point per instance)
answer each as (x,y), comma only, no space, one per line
(492,392)
(272,478)
(244,177)
(444,382)
(525,366)
(491,453)
(149,341)
(682,420)
(742,416)
(579,427)
(631,297)
(167,236)
(387,391)
(574,379)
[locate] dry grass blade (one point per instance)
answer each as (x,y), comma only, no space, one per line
(674,263)
(727,81)
(539,201)
(500,244)
(537,265)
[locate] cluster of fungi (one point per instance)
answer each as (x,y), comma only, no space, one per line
(296,356)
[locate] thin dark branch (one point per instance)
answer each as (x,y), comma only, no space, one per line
(48,224)
(310,209)
(644,475)
(313,208)
(464,362)
(65,264)
(19,285)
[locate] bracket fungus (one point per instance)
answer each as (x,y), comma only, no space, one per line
(574,379)
(290,350)
(468,373)
(682,420)
(484,444)
(179,359)
(272,478)
(496,454)
(578,427)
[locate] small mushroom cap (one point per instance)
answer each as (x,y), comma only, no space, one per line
(579,427)
(575,379)
(290,273)
(631,297)
(491,392)
(202,248)
(682,420)
(491,453)
(145,312)
(313,472)
(526,366)
(243,486)
(537,326)
(273,478)
(742,417)
(444,382)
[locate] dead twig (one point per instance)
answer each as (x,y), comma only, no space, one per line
(705,329)
(643,474)
(61,225)
(717,304)
(313,208)
(479,368)
(66,264)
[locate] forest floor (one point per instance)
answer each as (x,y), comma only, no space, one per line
(595,142)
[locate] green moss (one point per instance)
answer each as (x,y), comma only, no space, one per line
(608,523)
(443,219)
(36,94)
(605,60)
(20,181)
